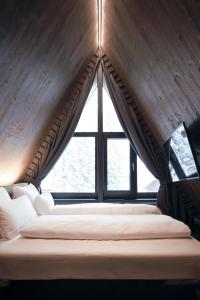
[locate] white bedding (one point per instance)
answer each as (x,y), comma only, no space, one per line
(102,208)
(105,227)
(24,258)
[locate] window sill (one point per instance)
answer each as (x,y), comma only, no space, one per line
(152,201)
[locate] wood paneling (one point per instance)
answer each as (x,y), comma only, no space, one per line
(154,45)
(43,45)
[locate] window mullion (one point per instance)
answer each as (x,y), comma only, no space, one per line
(133,170)
(100,158)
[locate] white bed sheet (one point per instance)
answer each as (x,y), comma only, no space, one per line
(25,258)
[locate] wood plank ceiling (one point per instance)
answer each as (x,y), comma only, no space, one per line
(43,45)
(154,45)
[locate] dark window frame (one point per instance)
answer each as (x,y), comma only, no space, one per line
(101,193)
(124,196)
(133,172)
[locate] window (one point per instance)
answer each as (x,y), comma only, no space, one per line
(99,162)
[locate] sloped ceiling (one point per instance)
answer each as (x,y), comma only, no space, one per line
(43,45)
(155,46)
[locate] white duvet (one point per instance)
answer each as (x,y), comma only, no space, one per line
(106,227)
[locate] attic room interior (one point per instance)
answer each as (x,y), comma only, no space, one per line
(99,149)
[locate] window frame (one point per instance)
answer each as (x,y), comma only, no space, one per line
(131,195)
(133,172)
(101,193)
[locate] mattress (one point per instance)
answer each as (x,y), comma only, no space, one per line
(24,258)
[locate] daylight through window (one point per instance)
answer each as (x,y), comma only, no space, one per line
(99,162)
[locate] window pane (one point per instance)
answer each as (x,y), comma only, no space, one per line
(88,119)
(75,170)
(110,119)
(118,164)
(146,182)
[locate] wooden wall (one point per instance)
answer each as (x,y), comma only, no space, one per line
(43,45)
(155,46)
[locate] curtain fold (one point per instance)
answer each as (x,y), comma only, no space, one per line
(138,132)
(183,206)
(63,127)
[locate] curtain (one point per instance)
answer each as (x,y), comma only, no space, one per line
(62,127)
(183,206)
(138,133)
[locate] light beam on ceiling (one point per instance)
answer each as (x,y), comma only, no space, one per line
(100,25)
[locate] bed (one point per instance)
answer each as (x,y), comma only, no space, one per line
(110,251)
(49,257)
(121,242)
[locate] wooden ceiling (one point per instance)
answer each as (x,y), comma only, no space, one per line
(43,45)
(155,46)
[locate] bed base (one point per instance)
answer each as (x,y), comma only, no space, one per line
(100,289)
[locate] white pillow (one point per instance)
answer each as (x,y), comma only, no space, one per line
(4,196)
(14,215)
(43,203)
(29,190)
